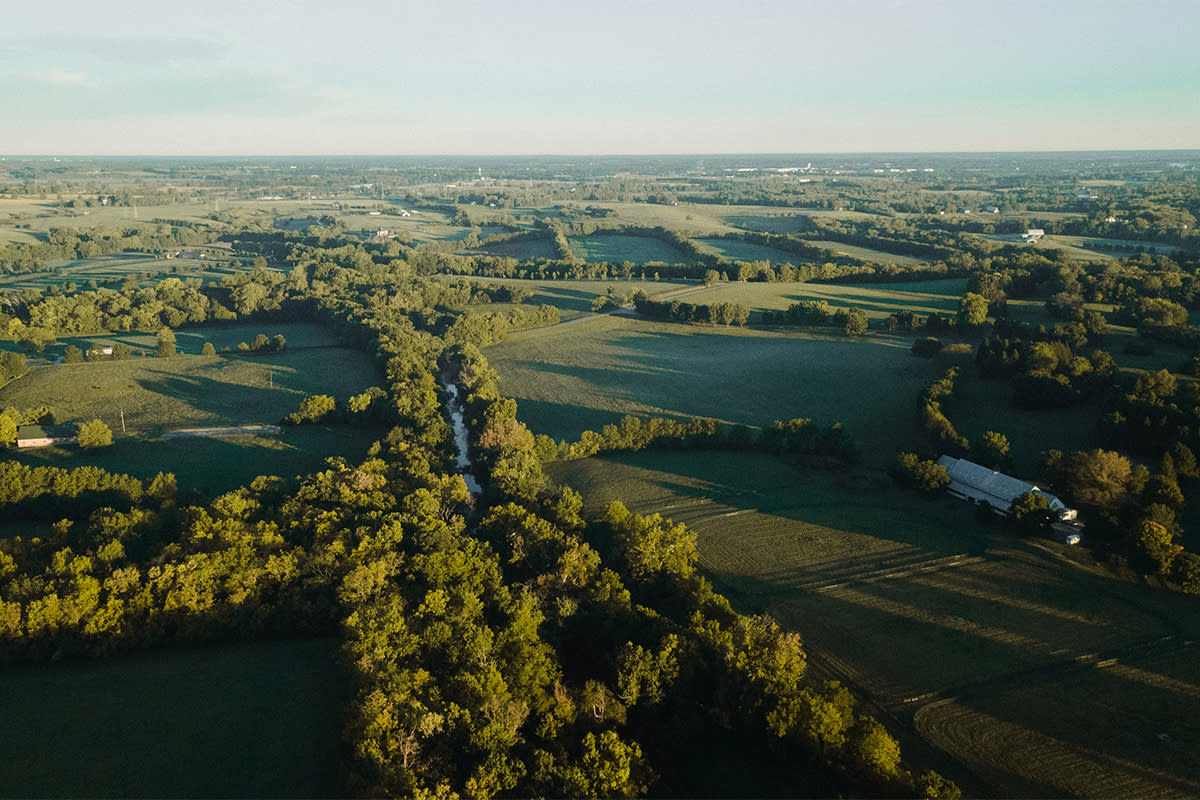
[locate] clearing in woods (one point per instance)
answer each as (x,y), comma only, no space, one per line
(157,395)
(616,247)
(612,366)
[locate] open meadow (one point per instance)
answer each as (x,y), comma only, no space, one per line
(877,300)
(1038,676)
(737,250)
(142,268)
(610,366)
(191,391)
(617,247)
(573,299)
(258,720)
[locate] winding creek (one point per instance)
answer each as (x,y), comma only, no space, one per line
(454,409)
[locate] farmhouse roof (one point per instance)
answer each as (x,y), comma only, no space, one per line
(45,435)
(976,482)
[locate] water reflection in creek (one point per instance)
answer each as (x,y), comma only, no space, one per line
(462,461)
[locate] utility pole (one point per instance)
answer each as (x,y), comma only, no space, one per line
(122,420)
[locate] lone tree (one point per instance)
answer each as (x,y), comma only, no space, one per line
(95,433)
(972,310)
(166,343)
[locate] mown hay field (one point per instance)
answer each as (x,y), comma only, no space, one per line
(597,371)
(256,720)
(1038,677)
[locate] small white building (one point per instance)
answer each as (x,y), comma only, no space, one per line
(1033,234)
(45,436)
(977,483)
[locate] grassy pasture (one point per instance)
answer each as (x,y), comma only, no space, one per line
(618,247)
(609,367)
(699,217)
(157,395)
(712,218)
(256,720)
(118,267)
(986,405)
(572,298)
(1075,246)
(117,216)
(746,251)
(878,300)
(522,250)
(1017,641)
(190,341)
(869,254)
(191,391)
(213,465)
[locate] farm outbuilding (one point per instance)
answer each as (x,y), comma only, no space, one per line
(45,435)
(979,484)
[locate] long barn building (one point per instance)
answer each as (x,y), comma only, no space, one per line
(979,484)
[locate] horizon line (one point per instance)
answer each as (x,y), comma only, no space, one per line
(464,154)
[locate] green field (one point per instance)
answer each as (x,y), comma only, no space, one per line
(117,268)
(878,300)
(215,465)
(609,367)
(869,254)
(257,720)
(573,298)
(157,395)
(736,250)
(618,247)
(191,391)
(1076,246)
(525,250)
(1002,650)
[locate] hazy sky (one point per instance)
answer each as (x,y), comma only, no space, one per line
(606,76)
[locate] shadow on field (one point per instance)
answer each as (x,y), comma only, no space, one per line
(565,299)
(1058,683)
(213,466)
(228,403)
(565,421)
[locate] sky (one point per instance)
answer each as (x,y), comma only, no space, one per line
(395,77)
